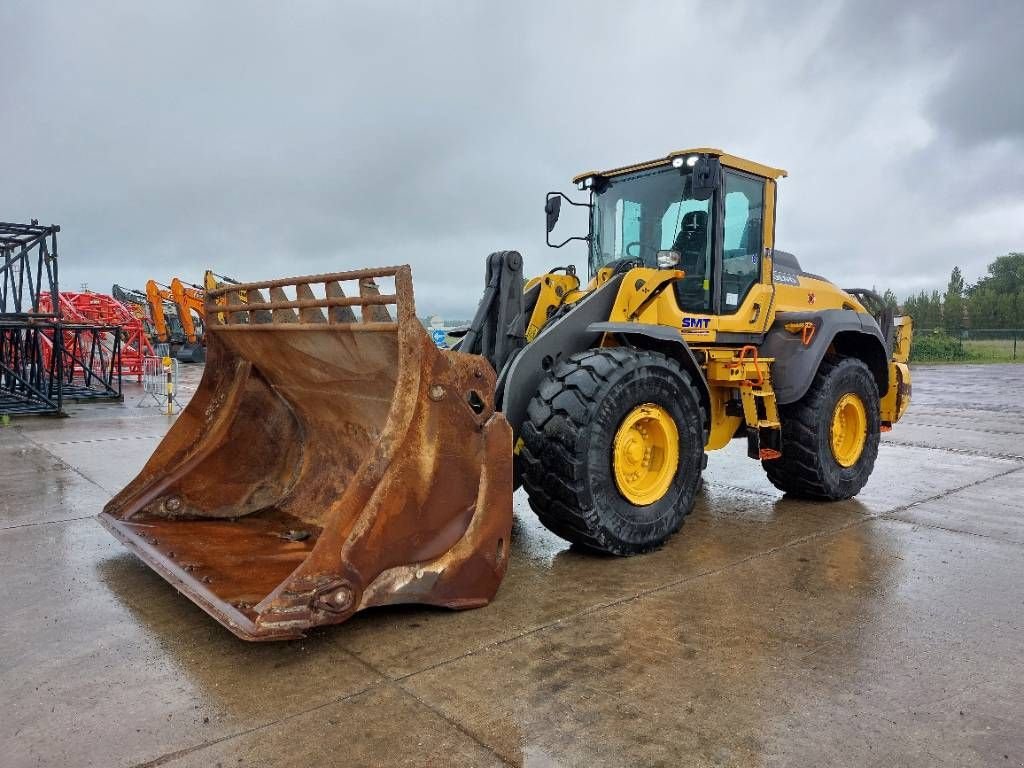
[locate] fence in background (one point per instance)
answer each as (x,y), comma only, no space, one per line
(981,344)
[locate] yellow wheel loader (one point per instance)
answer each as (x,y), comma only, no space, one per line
(330,462)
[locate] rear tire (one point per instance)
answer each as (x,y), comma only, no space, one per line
(569,439)
(809,467)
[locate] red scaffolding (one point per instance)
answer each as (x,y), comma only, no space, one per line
(111,318)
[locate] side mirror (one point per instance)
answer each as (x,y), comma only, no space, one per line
(552,208)
(706,177)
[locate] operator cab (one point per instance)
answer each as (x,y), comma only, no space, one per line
(700,211)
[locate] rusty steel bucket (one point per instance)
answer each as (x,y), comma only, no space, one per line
(325,464)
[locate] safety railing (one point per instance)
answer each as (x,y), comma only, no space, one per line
(160,384)
(316,301)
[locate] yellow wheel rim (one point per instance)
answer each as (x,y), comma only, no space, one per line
(849,429)
(645,454)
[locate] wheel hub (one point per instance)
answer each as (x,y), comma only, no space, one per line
(849,429)
(645,454)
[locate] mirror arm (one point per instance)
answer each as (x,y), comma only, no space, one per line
(566,241)
(547,236)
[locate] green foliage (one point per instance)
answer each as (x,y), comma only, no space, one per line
(1005,275)
(946,325)
(926,310)
(936,346)
(996,301)
(953,304)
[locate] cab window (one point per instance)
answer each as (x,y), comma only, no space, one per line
(627,226)
(637,215)
(741,241)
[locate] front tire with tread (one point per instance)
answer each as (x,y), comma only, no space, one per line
(568,436)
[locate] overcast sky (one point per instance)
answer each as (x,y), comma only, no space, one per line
(274,139)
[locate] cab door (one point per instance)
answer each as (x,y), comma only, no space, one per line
(743,287)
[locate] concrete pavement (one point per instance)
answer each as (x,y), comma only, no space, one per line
(886,630)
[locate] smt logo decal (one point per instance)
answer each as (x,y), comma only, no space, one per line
(696,322)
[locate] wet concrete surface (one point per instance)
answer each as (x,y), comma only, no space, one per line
(886,630)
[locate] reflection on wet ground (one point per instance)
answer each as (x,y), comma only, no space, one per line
(887,630)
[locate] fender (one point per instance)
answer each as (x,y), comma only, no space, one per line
(563,336)
(795,365)
(666,340)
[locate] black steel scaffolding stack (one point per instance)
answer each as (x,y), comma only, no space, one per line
(45,357)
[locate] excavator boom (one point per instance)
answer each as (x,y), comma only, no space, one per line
(189,299)
(156,298)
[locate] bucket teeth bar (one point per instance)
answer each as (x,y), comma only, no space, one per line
(326,463)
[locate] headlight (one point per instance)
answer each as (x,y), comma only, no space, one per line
(667,259)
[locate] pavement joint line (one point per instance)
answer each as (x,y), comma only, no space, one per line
(936,527)
(892,514)
(950,492)
(99,440)
(452,722)
(44,522)
(169,756)
(740,489)
(395,683)
(383,680)
(947,449)
(960,428)
(948,408)
(73,468)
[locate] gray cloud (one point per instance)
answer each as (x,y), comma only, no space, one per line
(264,141)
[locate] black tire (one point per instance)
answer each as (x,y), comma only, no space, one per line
(567,448)
(807,468)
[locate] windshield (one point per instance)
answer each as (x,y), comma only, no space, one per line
(636,216)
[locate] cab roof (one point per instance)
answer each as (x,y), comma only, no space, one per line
(730,161)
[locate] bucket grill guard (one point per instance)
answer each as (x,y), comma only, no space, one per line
(326,463)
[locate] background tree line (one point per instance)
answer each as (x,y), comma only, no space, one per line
(996,300)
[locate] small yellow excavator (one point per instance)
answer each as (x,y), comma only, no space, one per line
(330,462)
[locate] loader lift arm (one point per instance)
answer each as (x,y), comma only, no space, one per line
(498,329)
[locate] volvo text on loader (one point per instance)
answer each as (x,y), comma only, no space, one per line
(329,462)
